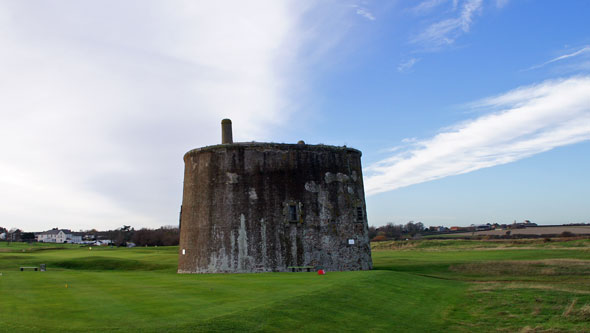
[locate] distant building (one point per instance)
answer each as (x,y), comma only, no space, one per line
(472,228)
(56,235)
(528,224)
(522,225)
(483,227)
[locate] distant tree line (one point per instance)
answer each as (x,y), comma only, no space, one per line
(163,236)
(396,231)
(16,235)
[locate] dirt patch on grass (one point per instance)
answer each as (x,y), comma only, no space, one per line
(570,308)
(584,312)
(539,329)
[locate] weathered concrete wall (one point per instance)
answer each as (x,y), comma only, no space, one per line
(255,207)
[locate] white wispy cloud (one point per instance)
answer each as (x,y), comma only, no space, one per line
(584,50)
(407,65)
(363,12)
(520,123)
(446,31)
(101,100)
(426,6)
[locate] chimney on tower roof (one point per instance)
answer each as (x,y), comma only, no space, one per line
(226,133)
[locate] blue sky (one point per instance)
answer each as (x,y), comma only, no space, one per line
(466,111)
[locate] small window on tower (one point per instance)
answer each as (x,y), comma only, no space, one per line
(360,216)
(293,212)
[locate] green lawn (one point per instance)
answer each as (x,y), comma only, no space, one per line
(430,285)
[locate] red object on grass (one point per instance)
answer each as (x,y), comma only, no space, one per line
(321,272)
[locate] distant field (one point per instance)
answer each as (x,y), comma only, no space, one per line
(417,286)
(578,230)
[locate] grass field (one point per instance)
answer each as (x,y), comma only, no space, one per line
(429,285)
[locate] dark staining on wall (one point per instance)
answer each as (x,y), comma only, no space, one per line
(265,207)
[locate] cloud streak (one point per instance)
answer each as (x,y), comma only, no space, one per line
(520,123)
(445,32)
(363,12)
(584,50)
(407,65)
(426,6)
(366,14)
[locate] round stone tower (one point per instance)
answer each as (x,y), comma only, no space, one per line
(268,207)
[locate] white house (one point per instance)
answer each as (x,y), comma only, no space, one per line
(59,236)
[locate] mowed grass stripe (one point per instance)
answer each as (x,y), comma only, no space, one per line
(116,299)
(87,302)
(377,301)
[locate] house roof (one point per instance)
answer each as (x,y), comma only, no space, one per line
(56,231)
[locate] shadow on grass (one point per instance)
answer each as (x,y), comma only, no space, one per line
(108,264)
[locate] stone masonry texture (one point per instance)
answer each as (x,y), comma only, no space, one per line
(265,207)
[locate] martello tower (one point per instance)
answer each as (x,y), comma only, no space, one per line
(269,207)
